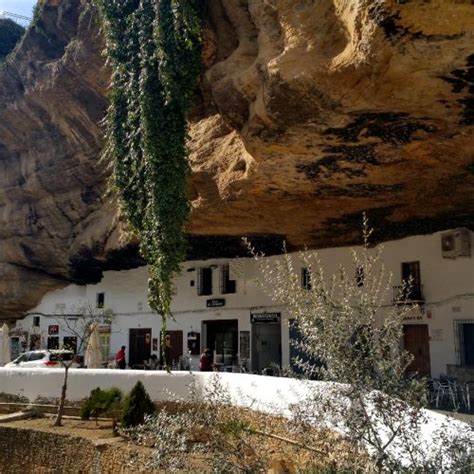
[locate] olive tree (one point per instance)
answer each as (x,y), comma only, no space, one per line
(350,333)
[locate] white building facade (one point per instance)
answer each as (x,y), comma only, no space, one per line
(219,304)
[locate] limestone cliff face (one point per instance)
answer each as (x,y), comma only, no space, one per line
(309,112)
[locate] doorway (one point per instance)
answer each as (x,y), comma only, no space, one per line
(222,340)
(15,347)
(53,343)
(35,342)
(466,331)
(266,345)
(70,343)
(416,340)
(139,347)
(173,347)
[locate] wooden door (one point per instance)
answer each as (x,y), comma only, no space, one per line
(174,346)
(416,341)
(139,347)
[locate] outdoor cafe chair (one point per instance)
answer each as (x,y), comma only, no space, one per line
(444,389)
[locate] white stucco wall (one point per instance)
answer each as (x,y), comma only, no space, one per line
(448,287)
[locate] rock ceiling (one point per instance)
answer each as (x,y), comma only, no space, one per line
(309,113)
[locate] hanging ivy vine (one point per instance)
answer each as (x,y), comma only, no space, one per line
(154,49)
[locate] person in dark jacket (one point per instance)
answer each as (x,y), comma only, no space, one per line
(120,358)
(205,361)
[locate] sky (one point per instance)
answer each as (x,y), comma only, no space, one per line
(21,7)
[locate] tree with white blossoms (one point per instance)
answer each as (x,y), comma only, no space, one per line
(350,333)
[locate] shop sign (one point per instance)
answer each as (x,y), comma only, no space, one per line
(265,317)
(416,317)
(215,303)
(53,329)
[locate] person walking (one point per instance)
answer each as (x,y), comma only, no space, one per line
(205,361)
(120,358)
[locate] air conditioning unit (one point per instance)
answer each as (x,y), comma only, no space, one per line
(456,243)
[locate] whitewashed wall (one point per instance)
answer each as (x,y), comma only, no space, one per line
(448,287)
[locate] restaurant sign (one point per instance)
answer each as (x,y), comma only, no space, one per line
(215,303)
(265,317)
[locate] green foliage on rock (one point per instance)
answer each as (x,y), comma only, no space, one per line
(136,406)
(102,403)
(154,49)
(10,34)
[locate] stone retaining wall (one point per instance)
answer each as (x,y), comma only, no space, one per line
(26,451)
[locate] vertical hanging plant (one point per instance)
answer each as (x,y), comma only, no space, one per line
(154,49)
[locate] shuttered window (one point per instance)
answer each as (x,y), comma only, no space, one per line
(205,281)
(228,286)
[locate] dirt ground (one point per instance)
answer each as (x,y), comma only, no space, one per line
(85,429)
(326,450)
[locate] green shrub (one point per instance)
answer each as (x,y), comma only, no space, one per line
(10,34)
(102,402)
(136,406)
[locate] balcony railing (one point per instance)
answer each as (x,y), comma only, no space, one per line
(404,295)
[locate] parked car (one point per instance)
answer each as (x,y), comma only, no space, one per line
(43,358)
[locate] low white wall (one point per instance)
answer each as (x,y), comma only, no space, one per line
(270,394)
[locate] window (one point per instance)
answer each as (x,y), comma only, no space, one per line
(227,285)
(205,281)
(359,276)
(36,321)
(306,278)
(105,346)
(100,300)
(465,342)
(411,275)
(36,356)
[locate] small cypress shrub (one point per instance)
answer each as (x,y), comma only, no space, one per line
(136,406)
(102,402)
